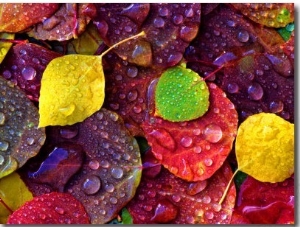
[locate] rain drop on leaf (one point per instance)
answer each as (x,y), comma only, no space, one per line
(72,88)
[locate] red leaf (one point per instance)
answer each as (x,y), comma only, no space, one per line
(52,208)
(165,198)
(266,203)
(194,150)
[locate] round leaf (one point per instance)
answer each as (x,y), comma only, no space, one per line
(265,147)
(181,95)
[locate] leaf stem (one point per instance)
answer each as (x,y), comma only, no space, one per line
(227,187)
(142,33)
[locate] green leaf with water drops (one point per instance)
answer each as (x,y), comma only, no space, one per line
(181,95)
(5,46)
(13,193)
(72,88)
(286,31)
(20,137)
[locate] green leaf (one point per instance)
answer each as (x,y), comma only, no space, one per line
(13,193)
(72,88)
(126,218)
(286,31)
(181,95)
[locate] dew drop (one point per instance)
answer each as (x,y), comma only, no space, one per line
(59,210)
(213,133)
(196,187)
(117,172)
(68,110)
(255,91)
(132,95)
(30,140)
(177,19)
(7,74)
(276,106)
(94,164)
(159,22)
(208,162)
(189,12)
(186,141)
(206,199)
(28,73)
(91,185)
(132,71)
(2,118)
(104,164)
(176,198)
(232,88)
(243,36)
(68,132)
(4,145)
(231,23)
(113,200)
(209,215)
(165,212)
(163,12)
(147,207)
(217,207)
(109,188)
(197,149)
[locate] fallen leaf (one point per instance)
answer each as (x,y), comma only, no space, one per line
(20,138)
(4,45)
(52,208)
(13,193)
(181,95)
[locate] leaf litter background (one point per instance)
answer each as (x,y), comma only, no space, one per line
(103,164)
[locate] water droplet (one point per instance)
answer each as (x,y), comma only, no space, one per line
(189,12)
(259,72)
(197,149)
(208,162)
(68,110)
(137,109)
(165,212)
(30,141)
(206,199)
(7,74)
(28,73)
(186,141)
(2,118)
(159,22)
(68,132)
(177,19)
(163,11)
(104,164)
(176,198)
(209,215)
(4,145)
(1,159)
(117,172)
(132,95)
(196,187)
(147,207)
(255,91)
(94,164)
(132,71)
(114,116)
(213,133)
(276,106)
(231,23)
(243,36)
(109,188)
(113,200)
(217,207)
(59,210)
(91,185)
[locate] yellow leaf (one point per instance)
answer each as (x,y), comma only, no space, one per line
(72,88)
(14,193)
(5,46)
(265,147)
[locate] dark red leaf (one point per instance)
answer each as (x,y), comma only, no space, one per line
(168,199)
(68,22)
(19,16)
(266,203)
(24,66)
(194,150)
(169,28)
(52,208)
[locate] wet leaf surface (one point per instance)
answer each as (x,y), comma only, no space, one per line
(5,46)
(111,169)
(268,14)
(20,138)
(169,28)
(52,208)
(14,194)
(187,148)
(24,66)
(168,199)
(19,16)
(69,21)
(266,203)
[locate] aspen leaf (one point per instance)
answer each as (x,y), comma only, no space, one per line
(14,194)
(5,46)
(72,88)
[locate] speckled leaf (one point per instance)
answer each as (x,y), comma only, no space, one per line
(5,46)
(111,170)
(181,95)
(15,17)
(20,138)
(169,28)
(87,43)
(264,147)
(266,203)
(14,193)
(24,66)
(52,208)
(268,14)
(68,22)
(171,200)
(126,90)
(194,150)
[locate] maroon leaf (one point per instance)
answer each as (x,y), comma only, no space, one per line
(126,91)
(68,22)
(19,16)
(109,174)
(24,66)
(169,28)
(168,199)
(266,203)
(52,208)
(194,150)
